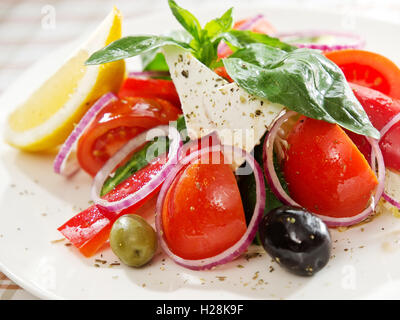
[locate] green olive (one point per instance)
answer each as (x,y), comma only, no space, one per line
(133,240)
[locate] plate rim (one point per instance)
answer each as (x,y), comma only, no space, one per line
(43,293)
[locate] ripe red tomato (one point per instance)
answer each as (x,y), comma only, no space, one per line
(368,69)
(150,88)
(221,71)
(116,124)
(380,109)
(203,213)
(325,171)
(90,229)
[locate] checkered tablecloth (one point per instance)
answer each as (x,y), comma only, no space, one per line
(31,28)
(9,290)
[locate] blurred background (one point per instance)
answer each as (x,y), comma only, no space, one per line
(29,29)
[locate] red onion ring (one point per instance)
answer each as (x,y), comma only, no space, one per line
(385,130)
(268,157)
(359,42)
(60,161)
(391,200)
(192,145)
(389,125)
(251,22)
(239,247)
(281,194)
(154,183)
(245,26)
(148,74)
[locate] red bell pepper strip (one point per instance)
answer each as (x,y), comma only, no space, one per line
(90,229)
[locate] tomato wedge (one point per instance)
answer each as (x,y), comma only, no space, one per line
(380,109)
(368,69)
(203,213)
(116,124)
(150,88)
(90,229)
(325,171)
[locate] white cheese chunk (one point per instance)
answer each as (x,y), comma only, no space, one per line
(210,103)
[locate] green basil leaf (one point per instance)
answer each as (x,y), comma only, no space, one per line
(303,80)
(131,46)
(138,161)
(242,38)
(207,53)
(154,61)
(181,35)
(141,158)
(188,21)
(180,125)
(218,25)
(148,57)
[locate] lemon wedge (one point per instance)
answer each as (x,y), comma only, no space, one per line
(44,117)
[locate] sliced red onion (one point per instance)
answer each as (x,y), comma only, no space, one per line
(281,194)
(192,145)
(240,246)
(245,26)
(251,22)
(148,74)
(154,183)
(390,124)
(357,41)
(268,159)
(61,159)
(391,200)
(385,130)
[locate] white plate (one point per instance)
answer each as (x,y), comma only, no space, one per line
(34,202)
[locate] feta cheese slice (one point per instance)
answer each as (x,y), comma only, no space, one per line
(210,103)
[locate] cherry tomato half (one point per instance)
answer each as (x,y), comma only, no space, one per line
(203,213)
(380,109)
(325,171)
(150,88)
(368,69)
(116,124)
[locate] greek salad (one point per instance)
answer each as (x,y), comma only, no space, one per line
(243,135)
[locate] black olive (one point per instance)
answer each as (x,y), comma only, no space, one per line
(296,239)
